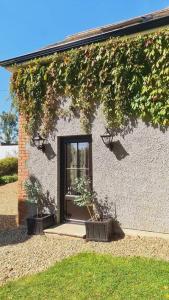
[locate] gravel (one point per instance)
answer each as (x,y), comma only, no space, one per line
(21,254)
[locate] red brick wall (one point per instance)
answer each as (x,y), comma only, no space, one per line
(22,171)
(8,222)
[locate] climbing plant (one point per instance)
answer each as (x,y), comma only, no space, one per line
(128,76)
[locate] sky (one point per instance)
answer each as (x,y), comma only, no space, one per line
(28,25)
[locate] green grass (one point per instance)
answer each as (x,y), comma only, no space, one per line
(93,276)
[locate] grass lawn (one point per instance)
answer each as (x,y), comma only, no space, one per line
(94,276)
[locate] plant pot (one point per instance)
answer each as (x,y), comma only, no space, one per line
(99,231)
(37,224)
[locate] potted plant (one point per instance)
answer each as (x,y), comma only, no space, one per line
(99,227)
(36,199)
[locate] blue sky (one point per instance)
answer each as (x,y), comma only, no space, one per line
(31,24)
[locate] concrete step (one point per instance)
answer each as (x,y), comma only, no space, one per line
(67,229)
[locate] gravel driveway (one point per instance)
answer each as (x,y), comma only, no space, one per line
(21,254)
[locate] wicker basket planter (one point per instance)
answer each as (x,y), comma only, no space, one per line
(99,231)
(37,224)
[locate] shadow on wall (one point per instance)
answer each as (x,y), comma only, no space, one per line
(119,150)
(49,152)
(49,203)
(163,129)
(39,199)
(126,128)
(132,123)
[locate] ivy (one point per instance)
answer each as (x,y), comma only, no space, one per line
(128,76)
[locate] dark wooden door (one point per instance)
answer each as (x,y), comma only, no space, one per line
(76,162)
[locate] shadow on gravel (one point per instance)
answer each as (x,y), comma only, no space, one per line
(13,236)
(118,233)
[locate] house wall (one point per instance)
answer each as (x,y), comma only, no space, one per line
(134,177)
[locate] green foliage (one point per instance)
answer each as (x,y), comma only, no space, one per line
(84,194)
(34,193)
(128,76)
(8,166)
(33,190)
(86,197)
(94,276)
(8,179)
(8,127)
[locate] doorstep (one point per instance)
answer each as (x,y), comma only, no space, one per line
(67,229)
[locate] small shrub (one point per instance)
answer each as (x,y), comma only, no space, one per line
(86,197)
(8,166)
(8,179)
(34,193)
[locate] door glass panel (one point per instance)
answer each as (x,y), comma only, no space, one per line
(71,175)
(83,173)
(83,153)
(72,155)
(77,164)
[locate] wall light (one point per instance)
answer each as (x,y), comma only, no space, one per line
(107,139)
(39,142)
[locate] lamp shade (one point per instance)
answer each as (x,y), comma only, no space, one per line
(107,139)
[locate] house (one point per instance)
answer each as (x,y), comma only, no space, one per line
(126,157)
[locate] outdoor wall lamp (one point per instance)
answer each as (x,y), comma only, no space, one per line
(107,139)
(39,142)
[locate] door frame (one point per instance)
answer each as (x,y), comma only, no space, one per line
(62,142)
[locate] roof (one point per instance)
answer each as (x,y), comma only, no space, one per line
(131,26)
